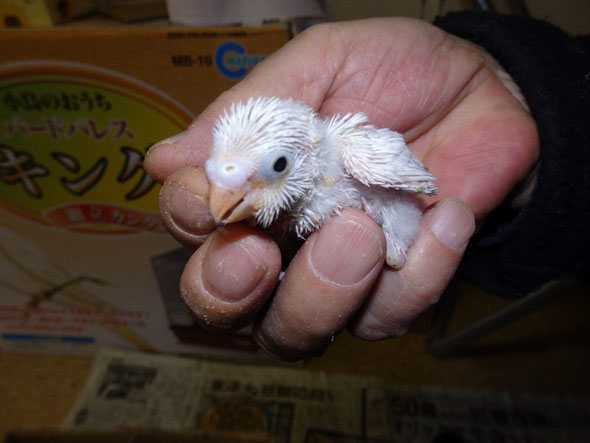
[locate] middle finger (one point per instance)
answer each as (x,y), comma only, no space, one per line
(324,285)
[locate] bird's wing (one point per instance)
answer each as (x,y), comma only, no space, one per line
(379,157)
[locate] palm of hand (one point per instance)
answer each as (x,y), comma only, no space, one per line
(455,113)
(444,95)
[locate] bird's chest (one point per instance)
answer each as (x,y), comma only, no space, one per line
(328,196)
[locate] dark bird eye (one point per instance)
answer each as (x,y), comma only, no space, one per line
(276,166)
(280,164)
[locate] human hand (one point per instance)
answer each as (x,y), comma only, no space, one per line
(457,114)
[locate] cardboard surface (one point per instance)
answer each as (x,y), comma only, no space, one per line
(81,243)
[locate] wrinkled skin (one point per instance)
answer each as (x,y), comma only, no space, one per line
(457,115)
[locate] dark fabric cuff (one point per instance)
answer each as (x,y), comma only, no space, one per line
(517,252)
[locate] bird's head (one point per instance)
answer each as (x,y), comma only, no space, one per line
(260,161)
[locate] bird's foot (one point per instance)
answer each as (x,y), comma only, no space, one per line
(395,257)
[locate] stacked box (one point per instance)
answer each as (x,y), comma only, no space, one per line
(84,258)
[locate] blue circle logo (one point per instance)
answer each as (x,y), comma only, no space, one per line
(232,60)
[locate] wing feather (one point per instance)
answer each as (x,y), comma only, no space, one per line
(379,157)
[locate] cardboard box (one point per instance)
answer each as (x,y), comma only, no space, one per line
(84,259)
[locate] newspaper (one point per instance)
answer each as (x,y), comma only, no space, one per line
(135,390)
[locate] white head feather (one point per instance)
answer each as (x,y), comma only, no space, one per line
(251,137)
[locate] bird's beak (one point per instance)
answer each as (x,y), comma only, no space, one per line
(228,205)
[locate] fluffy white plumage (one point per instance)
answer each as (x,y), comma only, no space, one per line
(277,162)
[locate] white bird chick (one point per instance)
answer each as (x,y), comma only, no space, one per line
(275,161)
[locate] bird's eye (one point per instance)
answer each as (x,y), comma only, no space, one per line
(275,166)
(280,164)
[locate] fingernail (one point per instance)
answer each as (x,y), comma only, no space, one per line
(230,271)
(167,141)
(345,251)
(187,210)
(452,222)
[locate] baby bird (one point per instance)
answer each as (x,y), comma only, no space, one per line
(279,164)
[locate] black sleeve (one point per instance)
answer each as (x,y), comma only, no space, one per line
(517,252)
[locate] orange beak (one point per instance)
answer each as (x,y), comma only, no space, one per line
(228,205)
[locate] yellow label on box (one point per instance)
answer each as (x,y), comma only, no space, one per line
(72,142)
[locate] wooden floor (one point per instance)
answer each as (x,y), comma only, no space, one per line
(547,351)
